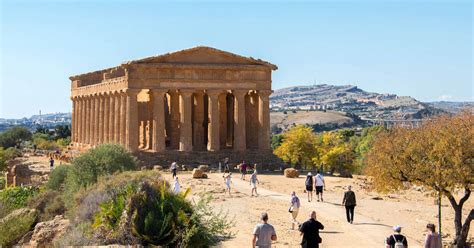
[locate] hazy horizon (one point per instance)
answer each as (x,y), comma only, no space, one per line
(421,49)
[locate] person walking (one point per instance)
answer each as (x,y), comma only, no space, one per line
(320,185)
(176,186)
(294,208)
(253,182)
(263,233)
(226,165)
(310,232)
(174,168)
(227,182)
(433,239)
(396,240)
(51,162)
(349,201)
(309,186)
(243,170)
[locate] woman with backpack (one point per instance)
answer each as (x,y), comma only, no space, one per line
(309,186)
(396,240)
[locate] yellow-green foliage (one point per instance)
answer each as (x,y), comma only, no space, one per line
(298,146)
(439,154)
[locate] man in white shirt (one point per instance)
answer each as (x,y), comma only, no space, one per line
(319,185)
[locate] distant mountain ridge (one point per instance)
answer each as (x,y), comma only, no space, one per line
(351,99)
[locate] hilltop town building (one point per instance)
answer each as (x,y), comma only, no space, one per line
(198,99)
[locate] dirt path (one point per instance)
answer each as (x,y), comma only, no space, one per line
(365,232)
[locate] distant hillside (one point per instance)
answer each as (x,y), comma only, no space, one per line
(352,100)
(451,107)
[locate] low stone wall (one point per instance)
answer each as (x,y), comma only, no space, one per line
(264,160)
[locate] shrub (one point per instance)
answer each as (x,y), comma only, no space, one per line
(63,142)
(2,183)
(138,208)
(7,155)
(48,204)
(14,226)
(57,177)
(14,136)
(100,161)
(14,198)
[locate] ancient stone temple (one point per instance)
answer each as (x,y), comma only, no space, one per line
(198,99)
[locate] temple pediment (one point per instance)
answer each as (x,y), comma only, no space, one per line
(203,55)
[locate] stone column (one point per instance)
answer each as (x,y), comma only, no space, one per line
(88,120)
(101,119)
(117,118)
(264,119)
(174,119)
(106,117)
(185,124)
(123,118)
(213,140)
(96,119)
(223,119)
(83,120)
(239,120)
(111,117)
(73,120)
(132,120)
(198,121)
(158,136)
(77,111)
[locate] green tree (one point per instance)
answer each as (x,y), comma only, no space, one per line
(62,131)
(336,152)
(364,144)
(298,146)
(14,136)
(439,155)
(276,141)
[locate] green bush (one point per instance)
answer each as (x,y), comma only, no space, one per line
(15,226)
(7,155)
(48,204)
(14,198)
(100,161)
(14,136)
(63,142)
(57,177)
(2,183)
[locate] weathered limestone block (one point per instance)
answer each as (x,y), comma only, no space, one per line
(197,173)
(291,173)
(47,232)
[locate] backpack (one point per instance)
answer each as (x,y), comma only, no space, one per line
(309,181)
(398,243)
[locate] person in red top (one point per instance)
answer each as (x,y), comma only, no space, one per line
(243,170)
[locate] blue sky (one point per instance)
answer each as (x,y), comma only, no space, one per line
(417,48)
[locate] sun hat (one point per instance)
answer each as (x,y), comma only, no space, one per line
(397,228)
(309,174)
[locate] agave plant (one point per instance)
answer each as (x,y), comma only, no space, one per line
(160,216)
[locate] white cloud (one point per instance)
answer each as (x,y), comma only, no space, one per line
(445,97)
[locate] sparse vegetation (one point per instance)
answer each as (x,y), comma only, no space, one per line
(15,226)
(15,198)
